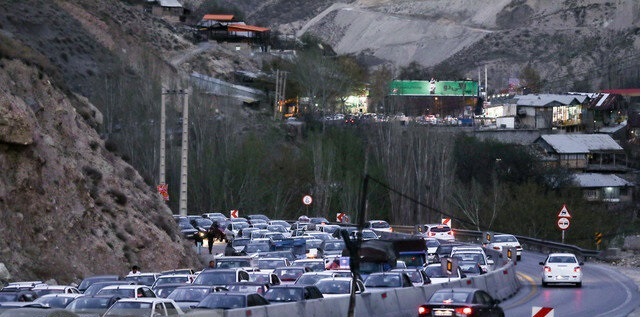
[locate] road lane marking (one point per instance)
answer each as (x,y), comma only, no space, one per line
(533,291)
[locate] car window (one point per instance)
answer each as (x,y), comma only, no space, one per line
(455,297)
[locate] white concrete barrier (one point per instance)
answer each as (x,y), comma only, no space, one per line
(501,284)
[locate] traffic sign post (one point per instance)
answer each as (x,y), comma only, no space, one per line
(597,239)
(564,221)
(233,213)
(542,311)
(307,200)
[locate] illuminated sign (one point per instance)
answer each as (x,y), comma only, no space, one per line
(433,88)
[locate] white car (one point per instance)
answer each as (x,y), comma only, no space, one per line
(378,225)
(505,240)
(561,268)
(437,275)
(471,253)
(437,231)
(147,307)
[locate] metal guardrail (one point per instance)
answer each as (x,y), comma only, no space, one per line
(528,243)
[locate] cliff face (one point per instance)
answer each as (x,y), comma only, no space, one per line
(69,207)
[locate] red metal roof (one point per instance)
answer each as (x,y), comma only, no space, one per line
(219,17)
(623,91)
(242,27)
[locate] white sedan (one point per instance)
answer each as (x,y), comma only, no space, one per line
(505,240)
(561,268)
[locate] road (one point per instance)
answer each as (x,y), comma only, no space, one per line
(605,292)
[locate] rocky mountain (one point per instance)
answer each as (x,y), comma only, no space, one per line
(573,44)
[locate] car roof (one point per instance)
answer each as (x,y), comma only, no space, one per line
(146,299)
(124,286)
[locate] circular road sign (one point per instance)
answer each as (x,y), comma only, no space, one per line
(563,223)
(307,200)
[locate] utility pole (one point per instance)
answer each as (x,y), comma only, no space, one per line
(162,186)
(184,152)
(279,91)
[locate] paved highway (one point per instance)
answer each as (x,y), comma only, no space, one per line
(605,292)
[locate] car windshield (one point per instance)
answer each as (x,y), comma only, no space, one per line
(284,294)
(128,293)
(310,279)
(163,292)
(440,229)
(215,278)
(380,225)
(129,309)
(469,267)
(313,244)
(257,247)
(435,271)
(369,235)
(232,263)
(270,264)
(449,296)
(54,301)
(562,259)
(172,279)
(432,243)
(240,242)
(415,276)
(188,294)
(383,280)
(315,266)
(89,303)
(334,246)
(329,286)
(504,239)
(465,256)
(288,274)
(141,279)
(222,301)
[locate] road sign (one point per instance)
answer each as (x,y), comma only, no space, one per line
(488,237)
(447,222)
(564,213)
(563,223)
(542,311)
(307,200)
(340,217)
(449,265)
(233,214)
(597,238)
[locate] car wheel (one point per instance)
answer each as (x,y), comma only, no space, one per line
(518,258)
(579,284)
(544,284)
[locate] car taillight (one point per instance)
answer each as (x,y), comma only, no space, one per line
(432,234)
(577,269)
(547,269)
(450,233)
(464,310)
(496,248)
(422,310)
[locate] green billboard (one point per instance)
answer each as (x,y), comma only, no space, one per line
(433,88)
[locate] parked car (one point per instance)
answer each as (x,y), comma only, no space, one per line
(173,279)
(264,277)
(461,302)
(229,300)
(248,287)
(416,275)
(144,307)
(561,268)
(432,245)
(387,280)
(444,250)
(331,248)
(95,287)
(367,234)
(505,240)
(221,277)
(92,305)
(292,293)
(339,286)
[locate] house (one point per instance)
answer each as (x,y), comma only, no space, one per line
(604,187)
(547,111)
(584,152)
(170,8)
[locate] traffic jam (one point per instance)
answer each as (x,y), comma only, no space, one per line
(267,261)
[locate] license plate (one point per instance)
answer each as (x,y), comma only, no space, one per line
(443,313)
(559,277)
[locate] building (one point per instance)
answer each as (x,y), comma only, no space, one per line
(166,8)
(456,99)
(604,187)
(583,152)
(548,111)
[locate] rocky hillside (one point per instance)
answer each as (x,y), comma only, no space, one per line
(70,205)
(568,42)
